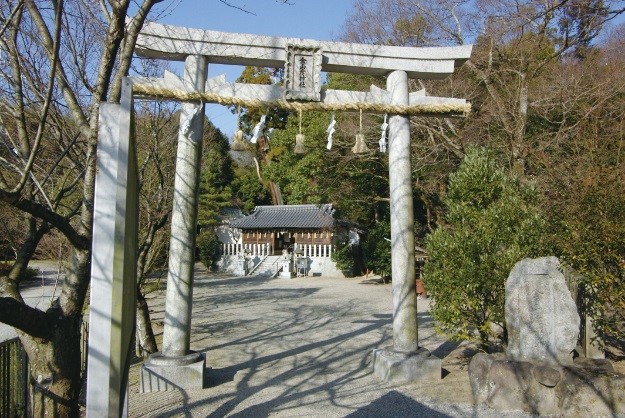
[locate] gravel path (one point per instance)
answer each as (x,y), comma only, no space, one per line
(302,348)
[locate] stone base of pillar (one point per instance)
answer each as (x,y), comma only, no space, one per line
(399,368)
(160,373)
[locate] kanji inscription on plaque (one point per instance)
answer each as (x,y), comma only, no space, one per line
(302,73)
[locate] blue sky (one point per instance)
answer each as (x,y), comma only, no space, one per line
(311,19)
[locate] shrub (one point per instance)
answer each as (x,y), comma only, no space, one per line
(491,223)
(343,256)
(377,248)
(208,249)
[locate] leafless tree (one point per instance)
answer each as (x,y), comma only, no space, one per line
(59,61)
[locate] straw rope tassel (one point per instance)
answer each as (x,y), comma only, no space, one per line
(237,139)
(360,146)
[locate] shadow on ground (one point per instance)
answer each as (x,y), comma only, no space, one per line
(287,348)
(396,405)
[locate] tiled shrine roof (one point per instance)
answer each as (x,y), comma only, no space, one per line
(287,216)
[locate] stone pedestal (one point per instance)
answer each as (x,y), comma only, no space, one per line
(287,269)
(242,266)
(399,368)
(160,373)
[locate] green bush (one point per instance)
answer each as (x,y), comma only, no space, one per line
(208,249)
(491,223)
(377,248)
(343,257)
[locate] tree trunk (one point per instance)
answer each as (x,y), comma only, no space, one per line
(55,366)
(484,345)
(146,343)
(28,248)
(519,150)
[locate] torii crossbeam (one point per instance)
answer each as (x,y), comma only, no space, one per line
(175,43)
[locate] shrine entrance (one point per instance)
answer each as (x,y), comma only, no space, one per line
(303,61)
(284,242)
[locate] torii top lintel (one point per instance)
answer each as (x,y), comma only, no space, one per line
(176,43)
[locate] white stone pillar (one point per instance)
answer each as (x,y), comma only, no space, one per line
(176,366)
(403,362)
(179,297)
(405,336)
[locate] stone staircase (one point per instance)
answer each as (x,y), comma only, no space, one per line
(267,267)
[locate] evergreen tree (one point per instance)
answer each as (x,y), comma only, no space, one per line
(217,174)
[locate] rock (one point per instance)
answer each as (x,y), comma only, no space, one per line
(541,316)
(508,383)
(546,376)
(578,390)
(479,369)
(591,363)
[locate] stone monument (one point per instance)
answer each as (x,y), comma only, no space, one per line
(541,316)
(113,261)
(538,373)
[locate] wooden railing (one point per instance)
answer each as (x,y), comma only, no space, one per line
(14,388)
(262,250)
(17,395)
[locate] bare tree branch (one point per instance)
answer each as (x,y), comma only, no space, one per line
(18,7)
(227,3)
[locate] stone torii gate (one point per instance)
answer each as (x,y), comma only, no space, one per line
(303,61)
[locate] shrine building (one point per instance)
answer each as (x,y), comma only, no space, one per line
(309,231)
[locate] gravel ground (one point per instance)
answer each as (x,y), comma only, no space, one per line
(38,292)
(302,348)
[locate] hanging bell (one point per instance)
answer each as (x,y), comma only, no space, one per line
(237,142)
(360,147)
(299,144)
